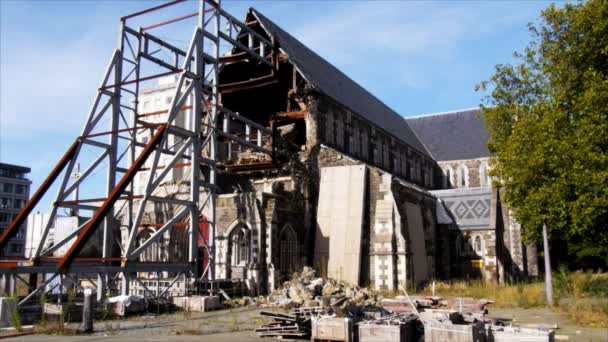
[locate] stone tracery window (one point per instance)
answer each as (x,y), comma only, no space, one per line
(484,177)
(240,246)
(463,176)
(152,252)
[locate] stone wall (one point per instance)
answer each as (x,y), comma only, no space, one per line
(476,173)
(347,132)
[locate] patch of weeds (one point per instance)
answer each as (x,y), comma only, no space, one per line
(42,302)
(14,312)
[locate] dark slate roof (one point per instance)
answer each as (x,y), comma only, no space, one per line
(334,83)
(454,135)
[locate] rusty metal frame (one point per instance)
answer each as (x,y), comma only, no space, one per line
(197,92)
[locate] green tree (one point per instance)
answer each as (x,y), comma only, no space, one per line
(547,115)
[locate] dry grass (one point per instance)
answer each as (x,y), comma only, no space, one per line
(583,296)
(506,296)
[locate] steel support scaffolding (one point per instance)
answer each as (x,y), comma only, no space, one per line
(112,131)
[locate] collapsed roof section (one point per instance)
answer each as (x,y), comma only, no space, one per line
(332,82)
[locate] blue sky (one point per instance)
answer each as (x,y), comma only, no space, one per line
(417,57)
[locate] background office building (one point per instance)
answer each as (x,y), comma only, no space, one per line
(14,193)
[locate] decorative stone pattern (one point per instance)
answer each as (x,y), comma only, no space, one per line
(470,207)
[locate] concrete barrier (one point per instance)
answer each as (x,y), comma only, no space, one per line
(386,333)
(516,334)
(332,329)
(445,331)
(197,303)
(7,308)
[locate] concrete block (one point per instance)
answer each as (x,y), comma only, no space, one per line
(436,331)
(123,305)
(386,333)
(450,316)
(197,303)
(7,307)
(397,305)
(517,334)
(70,312)
(332,329)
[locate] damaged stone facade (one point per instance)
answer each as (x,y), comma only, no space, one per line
(348,188)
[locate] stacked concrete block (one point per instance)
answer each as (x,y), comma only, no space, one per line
(332,329)
(441,331)
(198,303)
(386,333)
(516,334)
(7,308)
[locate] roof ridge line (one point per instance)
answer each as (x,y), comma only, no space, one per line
(456,111)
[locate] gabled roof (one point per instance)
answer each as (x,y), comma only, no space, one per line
(453,135)
(335,84)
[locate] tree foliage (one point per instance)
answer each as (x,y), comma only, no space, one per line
(547,115)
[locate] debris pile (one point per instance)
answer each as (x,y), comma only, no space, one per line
(326,309)
(305,289)
(295,325)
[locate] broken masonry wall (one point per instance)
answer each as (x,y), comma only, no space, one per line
(238,230)
(274,236)
(284,240)
(346,131)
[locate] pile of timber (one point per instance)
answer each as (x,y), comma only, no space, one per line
(294,325)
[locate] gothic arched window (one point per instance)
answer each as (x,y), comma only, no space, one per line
(477,246)
(288,249)
(240,246)
(463,176)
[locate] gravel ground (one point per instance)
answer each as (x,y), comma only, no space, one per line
(238,324)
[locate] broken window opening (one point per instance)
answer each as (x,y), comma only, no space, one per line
(288,250)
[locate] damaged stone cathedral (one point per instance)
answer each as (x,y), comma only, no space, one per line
(353,188)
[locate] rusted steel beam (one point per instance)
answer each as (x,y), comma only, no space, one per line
(251,167)
(104,209)
(158,225)
(290,115)
(237,57)
(138,80)
(13,228)
(160,167)
(82,259)
(170,21)
(91,200)
(249,84)
(151,125)
(165,111)
(151,9)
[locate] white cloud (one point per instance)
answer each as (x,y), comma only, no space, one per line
(398,37)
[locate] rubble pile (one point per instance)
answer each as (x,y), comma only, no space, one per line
(326,309)
(308,290)
(294,325)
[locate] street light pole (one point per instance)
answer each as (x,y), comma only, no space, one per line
(548,278)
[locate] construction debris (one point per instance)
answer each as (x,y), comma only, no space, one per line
(326,309)
(295,325)
(305,289)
